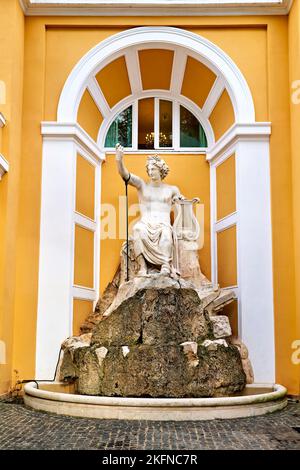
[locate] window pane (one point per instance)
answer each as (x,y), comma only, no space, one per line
(120,130)
(146,124)
(165,123)
(191,131)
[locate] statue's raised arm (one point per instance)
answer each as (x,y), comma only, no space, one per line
(132,179)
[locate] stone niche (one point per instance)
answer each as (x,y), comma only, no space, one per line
(156,337)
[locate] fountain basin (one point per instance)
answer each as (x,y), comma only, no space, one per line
(59,398)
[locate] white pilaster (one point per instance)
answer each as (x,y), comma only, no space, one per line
(54,322)
(254,248)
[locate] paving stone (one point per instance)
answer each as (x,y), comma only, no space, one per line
(24,428)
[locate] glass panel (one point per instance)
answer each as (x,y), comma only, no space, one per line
(120,130)
(146,124)
(191,131)
(165,123)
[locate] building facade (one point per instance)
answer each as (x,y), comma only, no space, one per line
(212,86)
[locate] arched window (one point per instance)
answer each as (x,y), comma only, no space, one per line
(156,123)
(120,130)
(191,131)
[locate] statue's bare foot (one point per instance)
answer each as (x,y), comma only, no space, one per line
(143,266)
(165,270)
(142,272)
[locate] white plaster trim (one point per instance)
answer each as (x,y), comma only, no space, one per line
(25,5)
(97,240)
(84,221)
(135,134)
(62,131)
(165,95)
(2,120)
(178,70)
(155,7)
(235,290)
(85,153)
(213,96)
(98,97)
(61,144)
(207,52)
(254,255)
(54,317)
(84,293)
(226,222)
(4,166)
(213,217)
(228,151)
(134,72)
(288,5)
(250,131)
(250,144)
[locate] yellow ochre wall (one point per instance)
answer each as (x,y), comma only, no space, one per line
(222,116)
(152,60)
(259,47)
(11,73)
(226,252)
(81,309)
(85,187)
(226,188)
(89,116)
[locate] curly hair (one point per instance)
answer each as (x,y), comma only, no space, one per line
(159,163)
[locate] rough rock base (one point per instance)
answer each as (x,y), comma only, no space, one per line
(155,340)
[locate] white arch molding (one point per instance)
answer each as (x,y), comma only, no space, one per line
(211,55)
(247,139)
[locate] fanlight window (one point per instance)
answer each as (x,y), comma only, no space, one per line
(120,130)
(156,124)
(191,131)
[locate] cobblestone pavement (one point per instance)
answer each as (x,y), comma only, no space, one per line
(24,428)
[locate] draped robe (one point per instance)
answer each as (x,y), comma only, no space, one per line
(153,235)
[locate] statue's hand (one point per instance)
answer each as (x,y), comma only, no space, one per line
(178,198)
(119,152)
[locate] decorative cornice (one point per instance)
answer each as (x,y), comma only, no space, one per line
(4,166)
(155,7)
(239,132)
(55,131)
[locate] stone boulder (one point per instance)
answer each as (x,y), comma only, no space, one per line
(155,340)
(154,313)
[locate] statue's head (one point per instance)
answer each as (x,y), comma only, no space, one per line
(154,162)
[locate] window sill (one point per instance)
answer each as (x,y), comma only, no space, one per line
(201,151)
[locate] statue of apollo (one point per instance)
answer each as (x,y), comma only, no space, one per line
(154,241)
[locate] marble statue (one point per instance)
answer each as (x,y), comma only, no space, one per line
(154,240)
(157,333)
